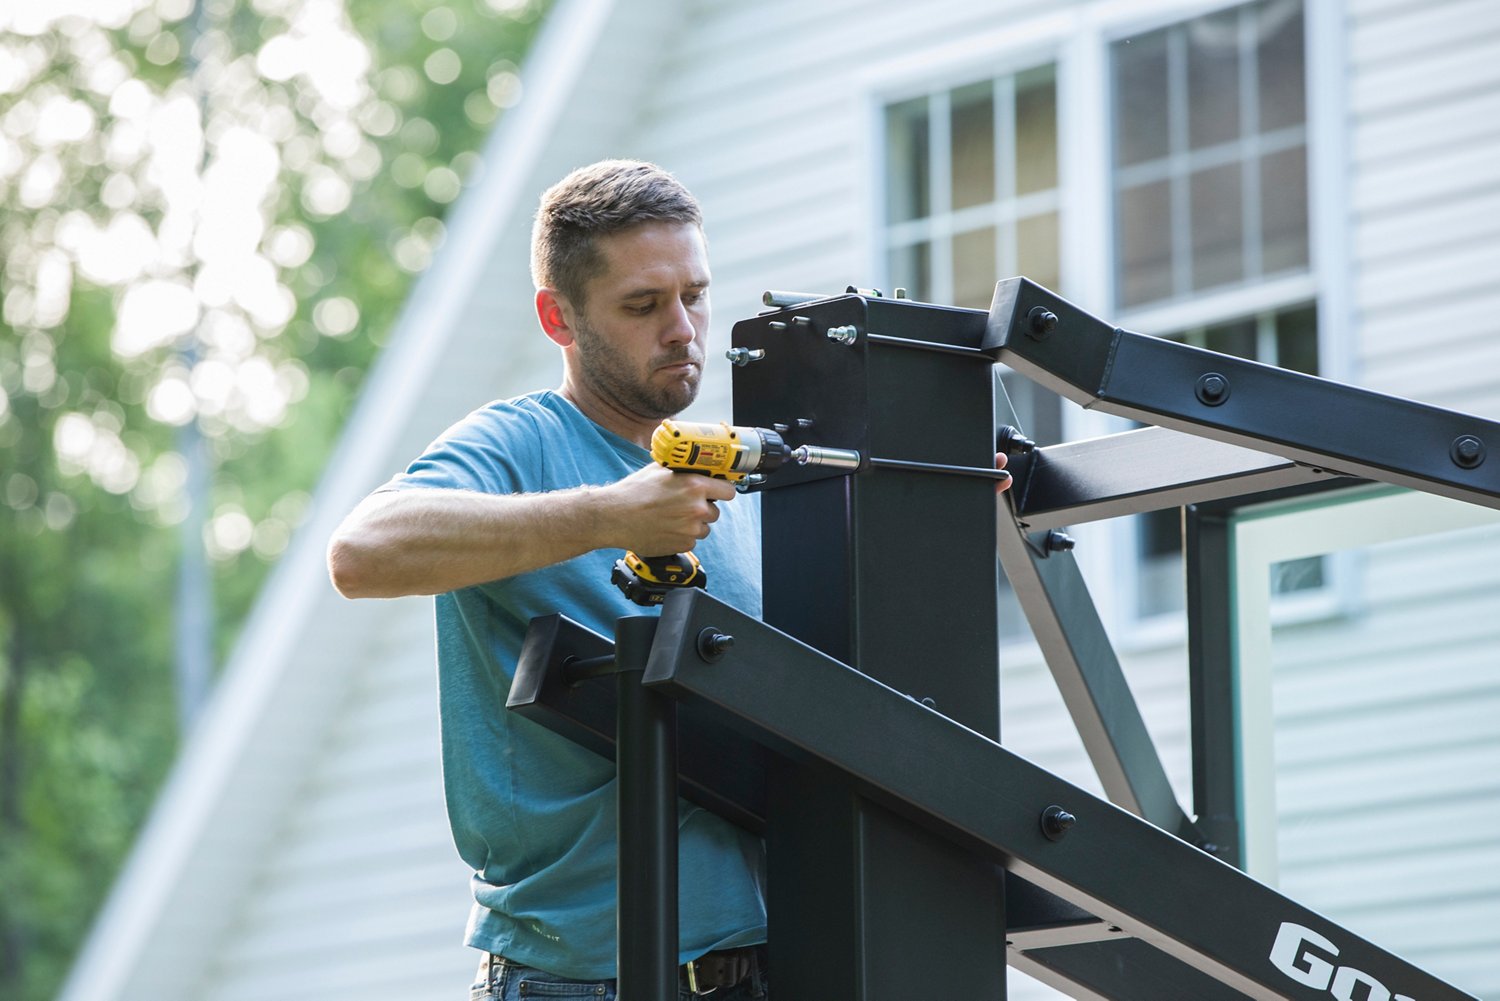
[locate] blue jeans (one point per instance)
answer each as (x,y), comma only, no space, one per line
(503,981)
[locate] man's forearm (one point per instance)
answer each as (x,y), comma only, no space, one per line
(427,541)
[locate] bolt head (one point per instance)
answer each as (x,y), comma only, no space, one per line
(1057,822)
(1040,322)
(1212,388)
(1467,451)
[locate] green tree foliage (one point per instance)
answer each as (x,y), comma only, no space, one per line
(212,215)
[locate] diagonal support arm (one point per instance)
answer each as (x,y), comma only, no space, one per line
(1062,616)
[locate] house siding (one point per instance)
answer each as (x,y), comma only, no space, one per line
(338,875)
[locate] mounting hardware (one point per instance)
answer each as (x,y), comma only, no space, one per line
(1041,321)
(1057,541)
(928,701)
(777,325)
(900,293)
(713,644)
(744,356)
(1467,451)
(1212,389)
(802,321)
(804,423)
(1010,440)
(1057,822)
(846,334)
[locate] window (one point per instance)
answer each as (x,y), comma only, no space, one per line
(1210,153)
(972,192)
(1209,181)
(1194,170)
(972,196)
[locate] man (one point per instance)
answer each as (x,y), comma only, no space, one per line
(520,510)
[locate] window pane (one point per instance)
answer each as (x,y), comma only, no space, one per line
(911,269)
(1036,249)
(1283,99)
(1160,582)
(1038,410)
(973,123)
(1237,338)
(1036,130)
(1140,92)
(908,188)
(1145,243)
(1213,79)
(974,268)
(1283,201)
(1307,574)
(1297,339)
(1217,231)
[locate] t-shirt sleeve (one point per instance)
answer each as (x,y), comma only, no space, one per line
(494,450)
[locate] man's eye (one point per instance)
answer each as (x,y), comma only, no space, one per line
(642,310)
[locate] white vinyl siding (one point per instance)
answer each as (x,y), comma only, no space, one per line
(767,111)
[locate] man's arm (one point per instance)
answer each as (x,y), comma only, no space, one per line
(427,541)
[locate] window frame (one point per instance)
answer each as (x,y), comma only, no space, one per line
(1077,43)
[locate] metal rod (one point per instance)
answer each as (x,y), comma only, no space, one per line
(915,345)
(772,297)
(982,472)
(580,669)
(646,762)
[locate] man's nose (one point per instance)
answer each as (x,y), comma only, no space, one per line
(679,327)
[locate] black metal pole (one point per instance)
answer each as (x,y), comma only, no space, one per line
(646,758)
(1208,554)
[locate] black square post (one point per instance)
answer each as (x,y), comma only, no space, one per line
(891,570)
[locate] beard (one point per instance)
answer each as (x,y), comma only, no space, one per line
(608,372)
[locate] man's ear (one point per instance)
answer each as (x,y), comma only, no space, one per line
(556,317)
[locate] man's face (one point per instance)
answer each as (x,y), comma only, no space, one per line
(641,337)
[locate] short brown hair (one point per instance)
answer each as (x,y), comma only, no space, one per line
(605,197)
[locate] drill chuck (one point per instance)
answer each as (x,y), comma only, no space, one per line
(734,453)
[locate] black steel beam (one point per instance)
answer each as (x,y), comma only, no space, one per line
(646,853)
(721,772)
(1062,616)
(1213,707)
(970,790)
(1134,472)
(1315,421)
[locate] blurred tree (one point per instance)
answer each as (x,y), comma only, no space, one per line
(212,216)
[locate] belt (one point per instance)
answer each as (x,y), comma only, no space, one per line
(723,968)
(709,972)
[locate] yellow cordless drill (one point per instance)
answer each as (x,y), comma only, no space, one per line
(727,453)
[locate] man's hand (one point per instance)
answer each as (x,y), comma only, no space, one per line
(1004,484)
(656,512)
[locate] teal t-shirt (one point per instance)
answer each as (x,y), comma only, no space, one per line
(532,812)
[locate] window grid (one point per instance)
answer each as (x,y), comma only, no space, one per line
(1180,164)
(937,224)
